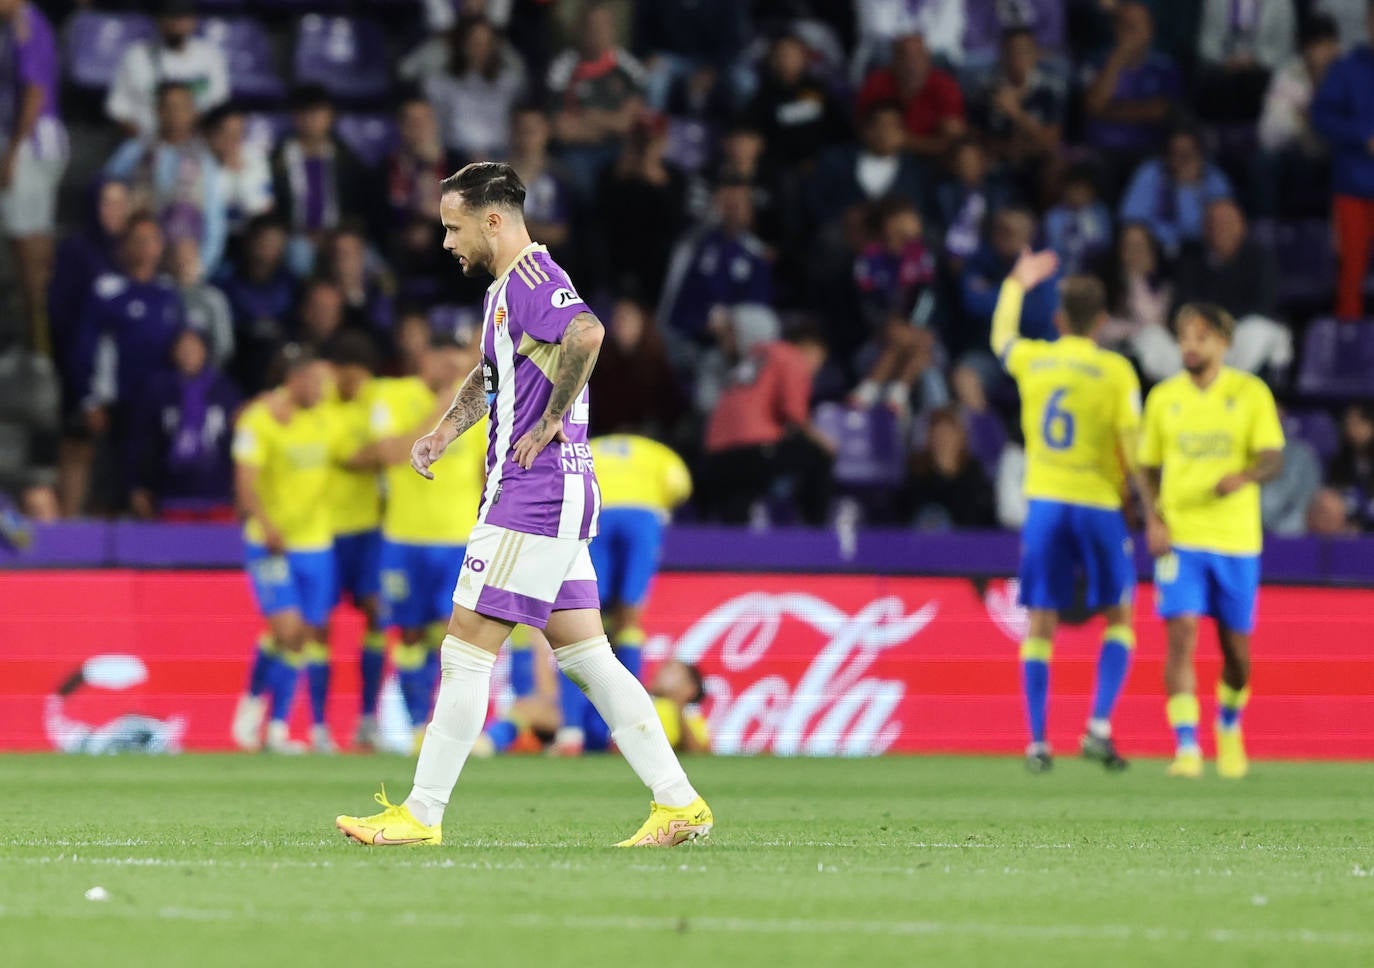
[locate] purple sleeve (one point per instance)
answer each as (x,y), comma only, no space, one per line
(36,57)
(546,310)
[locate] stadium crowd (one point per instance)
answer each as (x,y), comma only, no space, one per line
(793,216)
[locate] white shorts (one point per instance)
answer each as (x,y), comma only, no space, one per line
(524,578)
(29,206)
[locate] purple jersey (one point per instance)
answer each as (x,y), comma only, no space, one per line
(525,313)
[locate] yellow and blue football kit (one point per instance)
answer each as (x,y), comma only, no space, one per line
(355,503)
(1196,437)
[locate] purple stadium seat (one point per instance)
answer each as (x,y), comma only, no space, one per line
(95,42)
(343,55)
(1317,427)
(871,454)
(249,53)
(690,144)
(369,136)
(987,20)
(1338,361)
(1303,248)
(986,438)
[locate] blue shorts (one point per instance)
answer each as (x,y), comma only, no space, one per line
(1225,587)
(417,582)
(1062,541)
(300,580)
(626,554)
(358,561)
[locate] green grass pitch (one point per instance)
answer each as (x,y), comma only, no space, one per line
(214,861)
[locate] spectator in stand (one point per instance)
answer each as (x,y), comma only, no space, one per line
(599,88)
(703,37)
(742,157)
(1139,296)
(1079,228)
(174,175)
(244,170)
(367,288)
(635,388)
(1241,276)
(411,340)
(1021,109)
(932,104)
(179,437)
(33,155)
(965,200)
(321,314)
(850,176)
(1343,114)
(948,487)
(1239,45)
(1171,194)
(474,96)
(759,433)
(548,201)
(129,322)
(880,23)
(176,55)
(261,290)
(1286,500)
(84,255)
(718,263)
(641,204)
(1129,96)
(204,306)
(1013,229)
(895,276)
(796,113)
(1350,475)
(417,165)
(315,178)
(1291,174)
(1349,16)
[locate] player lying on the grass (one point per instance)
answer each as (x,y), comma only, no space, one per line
(1080,412)
(534,718)
(425,526)
(642,482)
(284,445)
(1211,437)
(527,560)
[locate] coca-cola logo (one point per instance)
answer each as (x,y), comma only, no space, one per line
(835,707)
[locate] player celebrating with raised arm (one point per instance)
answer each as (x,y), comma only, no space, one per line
(527,561)
(1211,437)
(1080,412)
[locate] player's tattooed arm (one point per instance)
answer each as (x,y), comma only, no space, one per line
(469,405)
(580,346)
(1266,467)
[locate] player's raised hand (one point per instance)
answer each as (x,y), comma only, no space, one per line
(425,452)
(528,447)
(1033,268)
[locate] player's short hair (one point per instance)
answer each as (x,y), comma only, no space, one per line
(289,359)
(1083,300)
(487,184)
(1213,315)
(352,348)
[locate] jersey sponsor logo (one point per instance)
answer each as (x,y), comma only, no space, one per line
(1214,444)
(576,459)
(561,298)
(490,381)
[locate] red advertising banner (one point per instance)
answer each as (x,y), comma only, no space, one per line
(795,664)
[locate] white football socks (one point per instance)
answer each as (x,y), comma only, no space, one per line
(459,713)
(622,701)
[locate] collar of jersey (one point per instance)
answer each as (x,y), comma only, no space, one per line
(497,282)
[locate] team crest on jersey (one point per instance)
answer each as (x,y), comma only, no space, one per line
(500,318)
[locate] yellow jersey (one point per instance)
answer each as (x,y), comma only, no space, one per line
(1077,402)
(355,497)
(419,511)
(673,723)
(293,461)
(636,472)
(1197,437)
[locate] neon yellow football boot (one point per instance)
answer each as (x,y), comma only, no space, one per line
(395,826)
(1232,763)
(1187,763)
(671,826)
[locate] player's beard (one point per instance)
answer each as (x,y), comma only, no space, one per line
(480,261)
(1196,364)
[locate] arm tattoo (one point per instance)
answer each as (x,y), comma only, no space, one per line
(469,404)
(1267,465)
(1151,477)
(580,348)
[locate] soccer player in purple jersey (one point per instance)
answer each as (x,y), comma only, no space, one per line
(527,560)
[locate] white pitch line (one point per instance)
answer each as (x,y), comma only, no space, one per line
(738,925)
